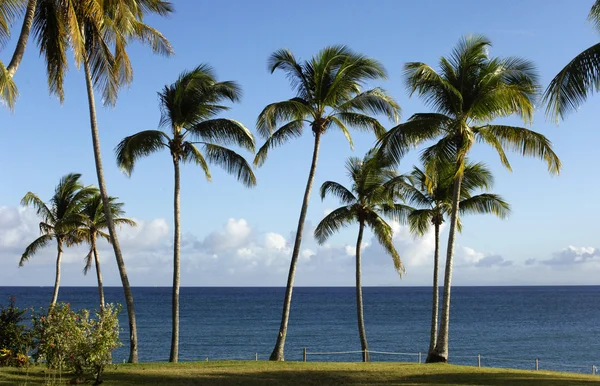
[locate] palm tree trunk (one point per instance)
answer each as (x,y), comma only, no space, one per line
(133,341)
(359,300)
(278,351)
(436,291)
(98,273)
(23,37)
(176,251)
(57,278)
(440,354)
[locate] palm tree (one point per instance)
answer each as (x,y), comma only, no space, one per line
(470,91)
(94,226)
(188,107)
(60,219)
(435,204)
(374,190)
(9,10)
(579,78)
(328,95)
(89,28)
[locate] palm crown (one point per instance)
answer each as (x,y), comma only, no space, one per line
(328,94)
(470,91)
(94,222)
(188,107)
(578,79)
(375,187)
(61,218)
(98,31)
(434,204)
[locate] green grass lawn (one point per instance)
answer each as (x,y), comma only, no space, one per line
(314,373)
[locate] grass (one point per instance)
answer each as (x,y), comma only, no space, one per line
(249,373)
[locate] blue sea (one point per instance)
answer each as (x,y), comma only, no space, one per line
(507,326)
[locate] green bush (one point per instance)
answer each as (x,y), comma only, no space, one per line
(15,337)
(75,342)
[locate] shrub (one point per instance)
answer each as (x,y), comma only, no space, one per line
(15,337)
(72,341)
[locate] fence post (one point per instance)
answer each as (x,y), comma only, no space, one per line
(256,356)
(478,360)
(419,358)
(304,354)
(593,370)
(207,359)
(537,364)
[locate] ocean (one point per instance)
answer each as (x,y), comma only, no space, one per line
(506,326)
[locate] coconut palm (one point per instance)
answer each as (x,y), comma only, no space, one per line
(471,90)
(435,204)
(93,227)
(328,96)
(373,194)
(98,32)
(9,11)
(578,79)
(188,108)
(60,219)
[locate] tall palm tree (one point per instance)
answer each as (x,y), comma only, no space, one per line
(60,220)
(93,227)
(579,78)
(328,96)
(188,108)
(9,10)
(373,194)
(89,28)
(435,204)
(471,90)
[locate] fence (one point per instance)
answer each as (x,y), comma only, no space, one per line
(536,364)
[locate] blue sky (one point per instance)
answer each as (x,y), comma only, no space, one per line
(239,236)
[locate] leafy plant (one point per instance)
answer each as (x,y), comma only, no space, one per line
(74,342)
(15,338)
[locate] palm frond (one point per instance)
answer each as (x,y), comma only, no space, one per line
(573,84)
(9,11)
(384,233)
(34,247)
(375,101)
(192,154)
(333,222)
(288,131)
(88,260)
(41,208)
(293,110)
(527,142)
(419,220)
(337,190)
(485,203)
(139,145)
(8,88)
(232,162)
(339,124)
(418,129)
(362,122)
(223,131)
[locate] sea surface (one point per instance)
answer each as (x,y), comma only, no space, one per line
(507,326)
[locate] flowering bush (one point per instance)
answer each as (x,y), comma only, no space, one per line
(15,338)
(72,341)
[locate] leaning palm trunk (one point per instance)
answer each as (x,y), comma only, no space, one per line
(98,273)
(176,251)
(23,37)
(359,301)
(57,278)
(436,290)
(440,354)
(278,351)
(133,342)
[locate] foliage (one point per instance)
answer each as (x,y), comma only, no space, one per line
(15,337)
(188,109)
(73,341)
(375,190)
(329,95)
